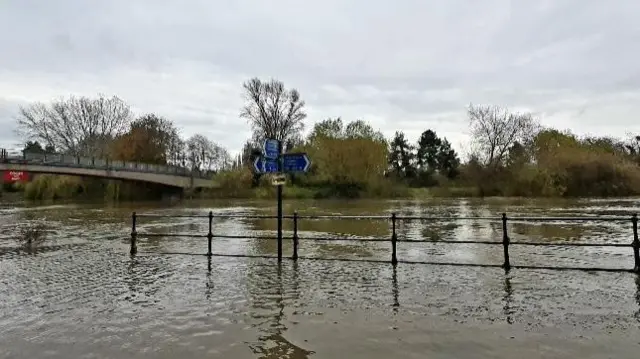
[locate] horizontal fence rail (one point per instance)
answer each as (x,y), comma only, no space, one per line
(394,219)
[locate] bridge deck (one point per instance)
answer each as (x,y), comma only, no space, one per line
(174,176)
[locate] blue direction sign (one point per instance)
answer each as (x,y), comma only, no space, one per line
(270,148)
(295,162)
(265,165)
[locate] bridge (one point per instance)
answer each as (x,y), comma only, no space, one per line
(172,176)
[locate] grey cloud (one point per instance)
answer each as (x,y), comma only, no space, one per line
(398,62)
(8,112)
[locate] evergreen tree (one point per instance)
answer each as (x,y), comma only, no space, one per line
(33,147)
(448,161)
(428,148)
(517,155)
(401,157)
(435,155)
(36,147)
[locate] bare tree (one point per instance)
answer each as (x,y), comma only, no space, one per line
(273,111)
(203,153)
(495,129)
(76,125)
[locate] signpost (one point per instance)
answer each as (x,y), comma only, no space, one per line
(271,149)
(278,180)
(265,165)
(278,163)
(295,162)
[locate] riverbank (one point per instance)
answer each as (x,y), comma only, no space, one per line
(240,186)
(297,192)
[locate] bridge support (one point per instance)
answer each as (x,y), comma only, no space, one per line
(173,194)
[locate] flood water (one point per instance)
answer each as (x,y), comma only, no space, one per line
(80,294)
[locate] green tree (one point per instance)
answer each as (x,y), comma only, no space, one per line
(517,156)
(347,165)
(427,153)
(335,128)
(36,147)
(448,162)
(363,130)
(150,139)
(346,159)
(401,157)
(330,128)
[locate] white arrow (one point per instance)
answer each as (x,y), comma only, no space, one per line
(256,165)
(307,162)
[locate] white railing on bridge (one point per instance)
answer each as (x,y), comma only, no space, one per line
(99,163)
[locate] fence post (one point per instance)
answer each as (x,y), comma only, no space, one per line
(210,234)
(505,243)
(636,244)
(134,234)
(295,236)
(394,238)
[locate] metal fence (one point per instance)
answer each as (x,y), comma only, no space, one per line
(393,239)
(60,160)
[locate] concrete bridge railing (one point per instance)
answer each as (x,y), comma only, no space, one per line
(100,167)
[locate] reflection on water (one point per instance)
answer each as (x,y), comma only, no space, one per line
(508,298)
(271,343)
(81,294)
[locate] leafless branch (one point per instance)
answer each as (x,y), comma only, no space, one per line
(76,125)
(272,110)
(494,129)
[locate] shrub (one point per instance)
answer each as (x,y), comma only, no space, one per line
(32,236)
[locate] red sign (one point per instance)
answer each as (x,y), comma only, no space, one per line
(15,176)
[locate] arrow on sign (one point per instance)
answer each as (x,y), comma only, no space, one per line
(265,165)
(295,162)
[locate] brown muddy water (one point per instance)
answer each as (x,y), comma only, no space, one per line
(80,295)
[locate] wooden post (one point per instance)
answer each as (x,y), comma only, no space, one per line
(505,243)
(394,238)
(134,249)
(295,236)
(636,244)
(210,234)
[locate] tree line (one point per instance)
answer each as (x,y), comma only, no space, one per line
(512,154)
(105,127)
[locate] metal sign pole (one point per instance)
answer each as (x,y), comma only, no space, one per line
(279,203)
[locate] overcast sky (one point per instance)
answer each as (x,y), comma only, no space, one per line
(401,65)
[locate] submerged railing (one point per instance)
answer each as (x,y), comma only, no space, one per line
(393,239)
